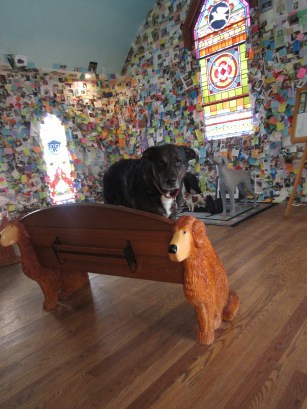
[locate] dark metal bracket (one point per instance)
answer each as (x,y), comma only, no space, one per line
(55,246)
(129,255)
(65,252)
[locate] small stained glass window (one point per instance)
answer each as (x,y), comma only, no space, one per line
(220,34)
(58,160)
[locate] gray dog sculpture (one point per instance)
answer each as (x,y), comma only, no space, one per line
(229,180)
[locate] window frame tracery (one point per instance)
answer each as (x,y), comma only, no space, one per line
(218,107)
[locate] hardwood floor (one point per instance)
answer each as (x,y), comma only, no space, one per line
(125,343)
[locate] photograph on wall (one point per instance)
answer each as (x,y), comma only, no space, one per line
(279,37)
(21,61)
(302,103)
(258,185)
(265,5)
(292,5)
(301,119)
(92,67)
(298,131)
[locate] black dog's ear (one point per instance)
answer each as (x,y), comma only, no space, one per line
(149,152)
(190,153)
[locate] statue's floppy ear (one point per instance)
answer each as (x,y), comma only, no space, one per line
(199,233)
(190,153)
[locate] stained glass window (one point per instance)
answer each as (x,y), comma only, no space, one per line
(57,160)
(220,33)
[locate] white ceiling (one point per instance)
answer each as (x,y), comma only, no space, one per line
(71,32)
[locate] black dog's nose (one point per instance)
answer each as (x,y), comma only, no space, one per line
(172,249)
(171,181)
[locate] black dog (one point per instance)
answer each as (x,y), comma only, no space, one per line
(190,183)
(152,183)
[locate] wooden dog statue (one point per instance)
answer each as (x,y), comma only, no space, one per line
(205,281)
(54,284)
(229,180)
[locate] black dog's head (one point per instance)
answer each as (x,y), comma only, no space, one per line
(168,165)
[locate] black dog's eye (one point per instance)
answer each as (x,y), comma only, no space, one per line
(178,162)
(161,164)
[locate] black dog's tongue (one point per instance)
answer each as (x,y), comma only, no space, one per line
(171,194)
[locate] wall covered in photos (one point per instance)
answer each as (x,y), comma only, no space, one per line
(155,101)
(88,112)
(277,64)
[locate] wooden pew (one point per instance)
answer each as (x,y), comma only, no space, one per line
(103,239)
(59,245)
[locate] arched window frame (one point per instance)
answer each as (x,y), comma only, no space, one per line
(213,109)
(57,160)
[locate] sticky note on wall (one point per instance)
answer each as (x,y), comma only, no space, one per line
(301,72)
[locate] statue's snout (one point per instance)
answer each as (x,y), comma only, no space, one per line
(172,249)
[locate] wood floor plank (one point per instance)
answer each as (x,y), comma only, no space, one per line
(124,343)
(211,368)
(78,334)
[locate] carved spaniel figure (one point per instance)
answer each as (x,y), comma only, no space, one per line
(205,281)
(55,284)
